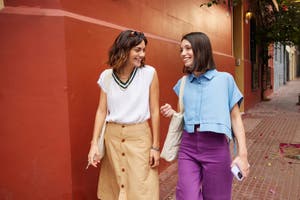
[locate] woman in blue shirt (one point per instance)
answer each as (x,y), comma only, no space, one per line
(212,118)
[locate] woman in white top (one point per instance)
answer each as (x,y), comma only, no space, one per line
(129,98)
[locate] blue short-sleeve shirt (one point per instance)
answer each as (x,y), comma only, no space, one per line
(208,100)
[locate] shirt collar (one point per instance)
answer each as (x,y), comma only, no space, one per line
(208,75)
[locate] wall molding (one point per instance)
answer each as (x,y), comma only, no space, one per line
(62,13)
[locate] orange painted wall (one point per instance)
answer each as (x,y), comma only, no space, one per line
(33,3)
(50,61)
(35,144)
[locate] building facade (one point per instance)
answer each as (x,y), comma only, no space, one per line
(51,55)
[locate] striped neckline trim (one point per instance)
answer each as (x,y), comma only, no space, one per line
(122,84)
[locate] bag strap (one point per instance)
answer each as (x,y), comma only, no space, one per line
(181,91)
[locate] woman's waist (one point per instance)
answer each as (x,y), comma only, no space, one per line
(129,118)
(127,125)
(209,127)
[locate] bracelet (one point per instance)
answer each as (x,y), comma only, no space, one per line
(155,148)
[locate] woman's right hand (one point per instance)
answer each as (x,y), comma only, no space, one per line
(166,110)
(93,156)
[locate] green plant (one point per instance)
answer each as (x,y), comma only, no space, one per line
(216,2)
(277,20)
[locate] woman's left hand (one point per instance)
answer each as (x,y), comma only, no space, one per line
(154,158)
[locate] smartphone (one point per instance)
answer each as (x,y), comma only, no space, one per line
(237,173)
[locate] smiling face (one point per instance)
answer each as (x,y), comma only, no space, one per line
(186,53)
(196,53)
(128,50)
(137,55)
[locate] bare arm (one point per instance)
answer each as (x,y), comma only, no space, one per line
(238,129)
(99,120)
(155,121)
(100,117)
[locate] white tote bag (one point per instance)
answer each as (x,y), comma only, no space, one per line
(171,146)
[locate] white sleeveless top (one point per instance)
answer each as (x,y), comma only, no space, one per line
(130,105)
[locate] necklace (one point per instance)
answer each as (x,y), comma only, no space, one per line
(124,85)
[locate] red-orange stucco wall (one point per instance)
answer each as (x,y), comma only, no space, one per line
(34,130)
(50,61)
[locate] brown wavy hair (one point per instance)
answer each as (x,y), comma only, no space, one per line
(119,51)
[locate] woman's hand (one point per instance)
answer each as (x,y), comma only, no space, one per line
(154,157)
(242,163)
(93,156)
(166,110)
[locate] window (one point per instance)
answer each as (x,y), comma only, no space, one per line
(254,65)
(252,40)
(280,53)
(276,47)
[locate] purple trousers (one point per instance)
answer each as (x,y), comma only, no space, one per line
(204,167)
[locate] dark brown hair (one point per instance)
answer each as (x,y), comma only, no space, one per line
(202,50)
(119,51)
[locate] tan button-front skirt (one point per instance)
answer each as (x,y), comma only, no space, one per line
(125,171)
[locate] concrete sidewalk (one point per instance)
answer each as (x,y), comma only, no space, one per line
(275,171)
